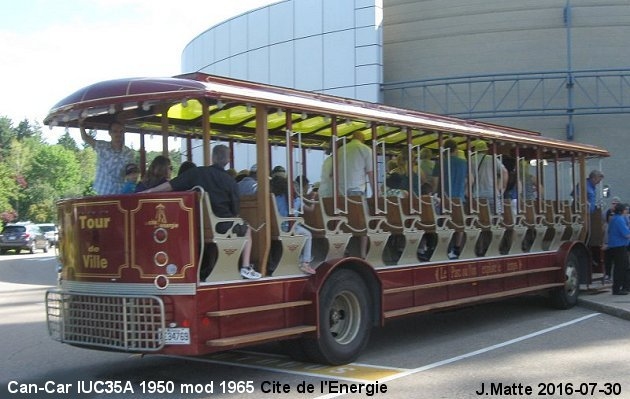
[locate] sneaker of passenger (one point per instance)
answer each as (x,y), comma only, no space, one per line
(248,272)
(452,255)
(307,269)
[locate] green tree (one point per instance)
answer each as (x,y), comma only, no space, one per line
(25,130)
(40,206)
(8,193)
(34,174)
(86,158)
(6,135)
(66,141)
(57,167)
(18,160)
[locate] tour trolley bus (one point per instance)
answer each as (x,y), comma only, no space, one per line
(130,275)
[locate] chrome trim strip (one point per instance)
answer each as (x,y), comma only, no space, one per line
(129,288)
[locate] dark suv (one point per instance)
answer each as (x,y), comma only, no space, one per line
(21,236)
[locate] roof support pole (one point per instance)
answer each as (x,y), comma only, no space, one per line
(165,133)
(205,125)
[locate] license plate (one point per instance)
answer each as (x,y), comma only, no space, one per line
(177,336)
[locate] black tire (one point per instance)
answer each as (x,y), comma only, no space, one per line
(566,297)
(345,320)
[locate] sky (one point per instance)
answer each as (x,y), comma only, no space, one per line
(51,48)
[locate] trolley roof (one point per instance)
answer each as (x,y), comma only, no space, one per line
(142,103)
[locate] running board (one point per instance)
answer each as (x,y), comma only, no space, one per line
(255,309)
(261,336)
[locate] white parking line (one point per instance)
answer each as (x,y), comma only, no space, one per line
(353,372)
(473,353)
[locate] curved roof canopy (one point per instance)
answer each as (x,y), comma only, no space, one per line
(176,105)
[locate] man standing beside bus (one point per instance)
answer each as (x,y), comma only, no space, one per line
(618,239)
(111,159)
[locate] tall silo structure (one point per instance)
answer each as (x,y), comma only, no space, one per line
(559,67)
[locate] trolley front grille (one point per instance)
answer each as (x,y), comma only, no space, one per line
(119,322)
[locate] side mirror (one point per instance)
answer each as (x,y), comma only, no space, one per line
(606,191)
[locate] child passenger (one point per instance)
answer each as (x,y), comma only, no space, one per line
(132,172)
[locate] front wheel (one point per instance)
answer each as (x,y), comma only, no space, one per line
(345,320)
(566,297)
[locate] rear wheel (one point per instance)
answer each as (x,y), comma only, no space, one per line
(345,320)
(566,297)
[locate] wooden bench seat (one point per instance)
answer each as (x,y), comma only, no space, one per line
(229,245)
(406,224)
(573,221)
(463,223)
(491,225)
(555,226)
(515,229)
(436,224)
(325,224)
(291,242)
(535,223)
(362,223)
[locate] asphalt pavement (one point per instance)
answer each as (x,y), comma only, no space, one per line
(598,296)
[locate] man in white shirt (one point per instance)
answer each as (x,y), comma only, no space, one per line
(356,167)
(485,169)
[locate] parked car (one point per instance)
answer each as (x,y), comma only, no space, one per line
(19,236)
(51,232)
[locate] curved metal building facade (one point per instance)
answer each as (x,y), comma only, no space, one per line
(327,46)
(560,67)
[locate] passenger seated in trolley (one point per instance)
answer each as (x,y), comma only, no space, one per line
(429,240)
(486,169)
(455,179)
(224,199)
(279,188)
